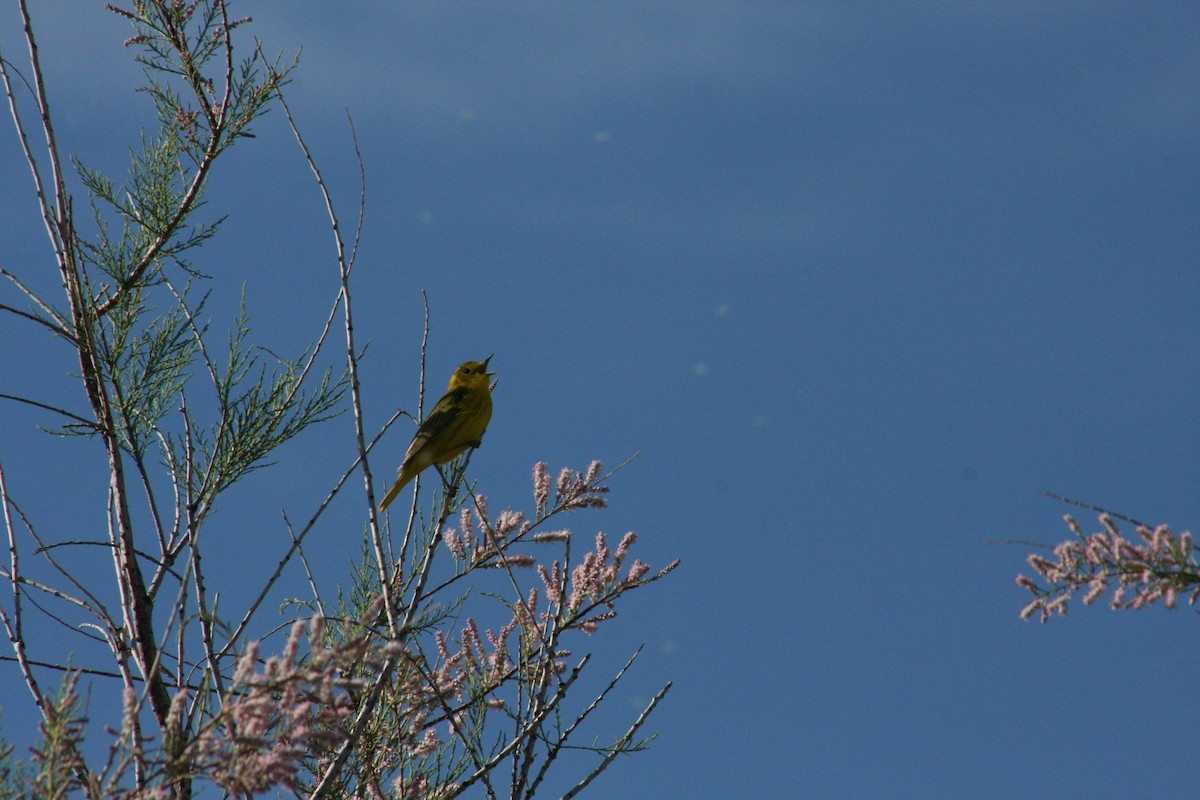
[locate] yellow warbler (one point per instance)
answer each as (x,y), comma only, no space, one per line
(456,423)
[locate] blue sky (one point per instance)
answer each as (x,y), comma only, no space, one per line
(856,280)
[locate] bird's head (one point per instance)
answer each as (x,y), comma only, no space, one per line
(472,375)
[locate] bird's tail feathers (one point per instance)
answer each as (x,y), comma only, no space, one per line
(400,483)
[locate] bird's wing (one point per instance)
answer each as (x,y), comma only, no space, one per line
(444,416)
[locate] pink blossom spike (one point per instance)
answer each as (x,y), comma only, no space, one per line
(541,487)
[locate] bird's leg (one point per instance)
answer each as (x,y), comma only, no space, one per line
(450,489)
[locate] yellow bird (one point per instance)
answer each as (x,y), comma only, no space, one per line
(456,423)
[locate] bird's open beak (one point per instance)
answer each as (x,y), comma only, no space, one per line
(485,364)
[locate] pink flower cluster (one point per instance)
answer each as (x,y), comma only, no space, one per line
(272,718)
(488,660)
(481,541)
(572,489)
(597,579)
(598,573)
(474,658)
(297,707)
(1160,567)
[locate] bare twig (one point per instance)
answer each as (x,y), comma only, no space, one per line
(410,526)
(49,217)
(14,625)
(621,743)
(60,326)
(87,423)
(297,540)
(529,729)
(1097,509)
(345,266)
(312,582)
(561,742)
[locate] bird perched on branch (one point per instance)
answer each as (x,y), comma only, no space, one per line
(456,423)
